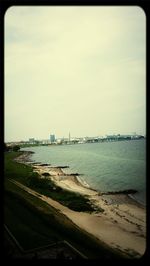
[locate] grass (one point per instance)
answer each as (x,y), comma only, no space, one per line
(15,170)
(35,220)
(30,231)
(70,199)
(25,175)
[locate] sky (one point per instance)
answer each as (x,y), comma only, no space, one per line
(77,69)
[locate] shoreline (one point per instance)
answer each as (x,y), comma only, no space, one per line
(58,175)
(122,224)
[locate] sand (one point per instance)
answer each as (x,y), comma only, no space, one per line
(121,225)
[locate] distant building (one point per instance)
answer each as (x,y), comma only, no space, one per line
(52,138)
(118,137)
(44,141)
(31,140)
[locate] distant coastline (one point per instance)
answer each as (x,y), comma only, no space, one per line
(82,140)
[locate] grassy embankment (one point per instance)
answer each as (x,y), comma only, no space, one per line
(25,175)
(35,223)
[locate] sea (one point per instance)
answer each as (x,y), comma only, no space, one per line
(104,166)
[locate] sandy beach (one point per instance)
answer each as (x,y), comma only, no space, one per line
(122,224)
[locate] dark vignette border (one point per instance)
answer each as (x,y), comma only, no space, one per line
(4,5)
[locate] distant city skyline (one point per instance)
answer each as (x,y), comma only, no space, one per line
(77,69)
(53,138)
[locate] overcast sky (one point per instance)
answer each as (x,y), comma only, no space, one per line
(74,69)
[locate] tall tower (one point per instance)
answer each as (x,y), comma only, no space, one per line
(69,136)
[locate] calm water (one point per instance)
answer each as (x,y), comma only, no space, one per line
(108,166)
